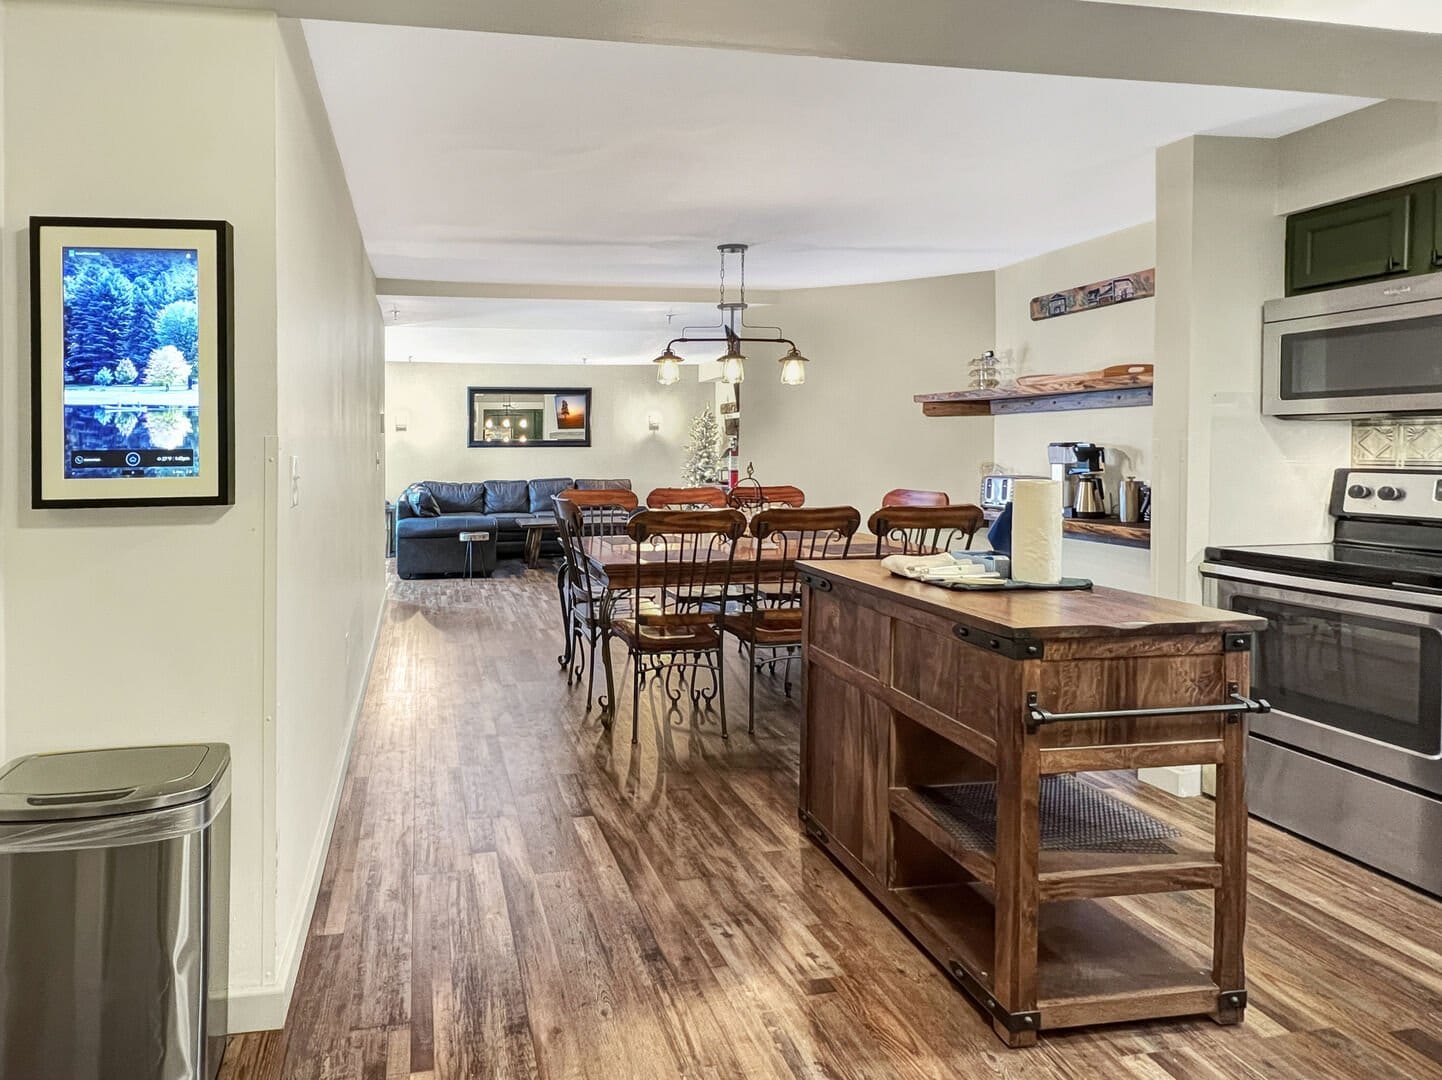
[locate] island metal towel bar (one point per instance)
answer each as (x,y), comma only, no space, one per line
(1037,716)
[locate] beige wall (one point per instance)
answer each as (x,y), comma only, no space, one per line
(171,598)
(1226,473)
(431,399)
(329,578)
(201,114)
(1084,341)
(852,432)
(1391,143)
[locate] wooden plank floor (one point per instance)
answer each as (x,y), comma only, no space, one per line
(513,892)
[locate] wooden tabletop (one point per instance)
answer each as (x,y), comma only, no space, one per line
(1040,613)
(615,558)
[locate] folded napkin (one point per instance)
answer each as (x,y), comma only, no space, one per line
(940,568)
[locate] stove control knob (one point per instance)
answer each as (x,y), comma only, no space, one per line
(1390,494)
(1359,491)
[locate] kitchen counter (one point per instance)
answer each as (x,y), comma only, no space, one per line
(941,734)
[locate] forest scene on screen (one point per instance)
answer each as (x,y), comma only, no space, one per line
(131,360)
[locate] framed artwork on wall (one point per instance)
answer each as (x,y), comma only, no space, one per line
(131,339)
(528,416)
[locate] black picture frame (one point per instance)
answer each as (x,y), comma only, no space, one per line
(214,482)
(553,392)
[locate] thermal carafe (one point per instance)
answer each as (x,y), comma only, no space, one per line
(1129,500)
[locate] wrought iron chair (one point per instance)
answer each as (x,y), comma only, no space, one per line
(581,515)
(670,631)
(689,498)
(914,497)
(750,496)
(923,530)
(773,623)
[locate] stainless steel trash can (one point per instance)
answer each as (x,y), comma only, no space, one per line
(114,913)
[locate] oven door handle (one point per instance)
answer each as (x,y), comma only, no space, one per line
(1037,717)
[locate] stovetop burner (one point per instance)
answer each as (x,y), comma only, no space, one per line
(1387,532)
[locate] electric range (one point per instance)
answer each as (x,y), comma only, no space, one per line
(1351,753)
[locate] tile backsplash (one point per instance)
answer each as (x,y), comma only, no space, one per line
(1413,443)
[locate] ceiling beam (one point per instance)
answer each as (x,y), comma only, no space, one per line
(1059,37)
(660,294)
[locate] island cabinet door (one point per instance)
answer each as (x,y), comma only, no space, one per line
(845,748)
(846,766)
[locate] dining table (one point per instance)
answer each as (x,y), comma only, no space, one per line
(613,558)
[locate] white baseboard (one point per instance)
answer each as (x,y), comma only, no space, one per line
(264,1007)
(1182,780)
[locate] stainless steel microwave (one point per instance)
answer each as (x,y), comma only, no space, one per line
(1365,351)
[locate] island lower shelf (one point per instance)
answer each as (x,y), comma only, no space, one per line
(942,731)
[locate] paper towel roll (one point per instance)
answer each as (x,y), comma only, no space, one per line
(1036,531)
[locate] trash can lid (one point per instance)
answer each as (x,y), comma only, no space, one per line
(104,783)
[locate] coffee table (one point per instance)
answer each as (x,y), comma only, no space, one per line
(536,526)
(470,538)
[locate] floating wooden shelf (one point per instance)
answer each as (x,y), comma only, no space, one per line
(1102,530)
(1043,393)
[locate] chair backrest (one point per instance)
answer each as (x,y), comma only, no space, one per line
(924,530)
(696,553)
(914,497)
(750,496)
(602,499)
(814,532)
(691,498)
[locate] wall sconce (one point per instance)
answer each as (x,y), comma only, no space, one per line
(653,421)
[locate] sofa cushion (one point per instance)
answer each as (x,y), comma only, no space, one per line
(603,485)
(458,498)
(507,497)
(445,525)
(420,501)
(542,490)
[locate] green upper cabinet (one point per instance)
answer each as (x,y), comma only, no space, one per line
(1388,234)
(1356,241)
(1434,204)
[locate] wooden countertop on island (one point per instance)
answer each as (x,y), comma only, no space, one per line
(1038,613)
(941,746)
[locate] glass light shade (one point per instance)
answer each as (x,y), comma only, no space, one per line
(668,368)
(524,422)
(793,368)
(506,422)
(733,368)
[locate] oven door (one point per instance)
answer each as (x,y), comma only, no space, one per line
(1358,363)
(1353,673)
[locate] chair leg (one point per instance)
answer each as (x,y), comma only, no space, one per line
(561,584)
(751,704)
(636,700)
(608,703)
(721,685)
(591,675)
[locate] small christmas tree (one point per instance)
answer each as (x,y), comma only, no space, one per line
(703,451)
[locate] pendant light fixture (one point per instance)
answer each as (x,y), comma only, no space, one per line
(669,372)
(732,331)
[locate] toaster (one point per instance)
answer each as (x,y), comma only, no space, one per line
(996,489)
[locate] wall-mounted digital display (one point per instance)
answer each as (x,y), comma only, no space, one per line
(131,381)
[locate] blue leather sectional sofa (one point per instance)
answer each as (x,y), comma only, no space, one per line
(428,529)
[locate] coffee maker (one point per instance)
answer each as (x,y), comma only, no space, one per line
(1089,494)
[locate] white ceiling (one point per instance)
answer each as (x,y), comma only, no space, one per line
(1417,15)
(505,158)
(489,331)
